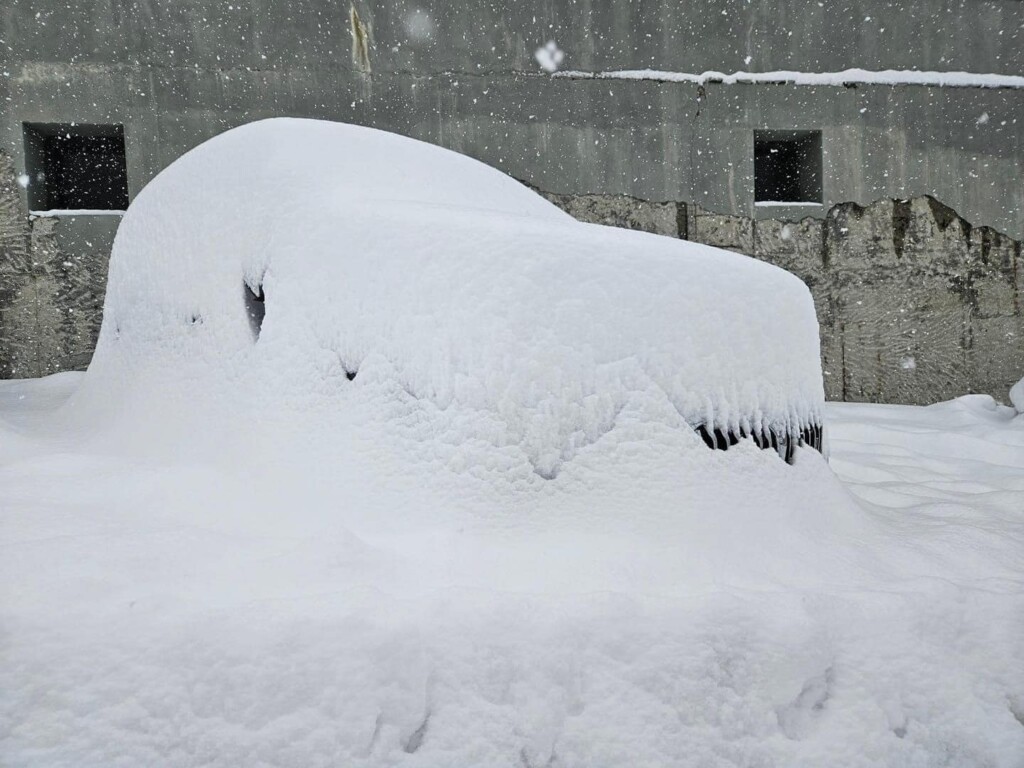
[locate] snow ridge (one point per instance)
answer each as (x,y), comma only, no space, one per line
(845,77)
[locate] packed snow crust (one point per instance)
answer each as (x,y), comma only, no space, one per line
(428,271)
(310,597)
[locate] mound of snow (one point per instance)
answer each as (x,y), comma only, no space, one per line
(293,261)
(1017,396)
(313,599)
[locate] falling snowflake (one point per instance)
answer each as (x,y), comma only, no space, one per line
(419,26)
(549,56)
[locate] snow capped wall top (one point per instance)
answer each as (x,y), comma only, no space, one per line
(295,262)
(844,77)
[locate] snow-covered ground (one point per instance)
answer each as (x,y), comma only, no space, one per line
(384,460)
(191,610)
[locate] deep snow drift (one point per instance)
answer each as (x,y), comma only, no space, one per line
(313,605)
(445,506)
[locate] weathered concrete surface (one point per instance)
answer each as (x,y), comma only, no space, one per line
(668,218)
(924,306)
(431,36)
(463,75)
(915,305)
(734,233)
(51,286)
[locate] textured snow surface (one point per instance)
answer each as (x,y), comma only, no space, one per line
(442,281)
(445,506)
(319,599)
(70,212)
(866,76)
(1017,396)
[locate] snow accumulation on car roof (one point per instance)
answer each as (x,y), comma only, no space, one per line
(274,263)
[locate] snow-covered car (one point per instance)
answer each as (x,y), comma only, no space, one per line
(285,259)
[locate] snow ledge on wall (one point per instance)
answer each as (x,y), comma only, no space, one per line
(846,77)
(57,213)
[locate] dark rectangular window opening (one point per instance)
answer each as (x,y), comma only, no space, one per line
(75,167)
(787,166)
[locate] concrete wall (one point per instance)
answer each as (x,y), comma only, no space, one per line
(483,37)
(53,275)
(463,76)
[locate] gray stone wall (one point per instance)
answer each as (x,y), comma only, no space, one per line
(915,304)
(623,211)
(51,287)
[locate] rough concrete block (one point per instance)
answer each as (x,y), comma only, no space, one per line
(903,342)
(832,363)
(734,233)
(992,248)
(14,230)
(933,237)
(794,246)
(15,272)
(991,273)
(991,294)
(996,355)
(626,212)
(861,238)
(31,323)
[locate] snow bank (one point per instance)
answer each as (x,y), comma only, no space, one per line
(1017,396)
(392,264)
(315,600)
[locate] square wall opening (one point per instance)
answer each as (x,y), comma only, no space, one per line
(787,167)
(75,167)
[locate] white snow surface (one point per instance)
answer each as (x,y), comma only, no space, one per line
(500,543)
(511,328)
(854,75)
(72,212)
(314,598)
(784,204)
(1017,396)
